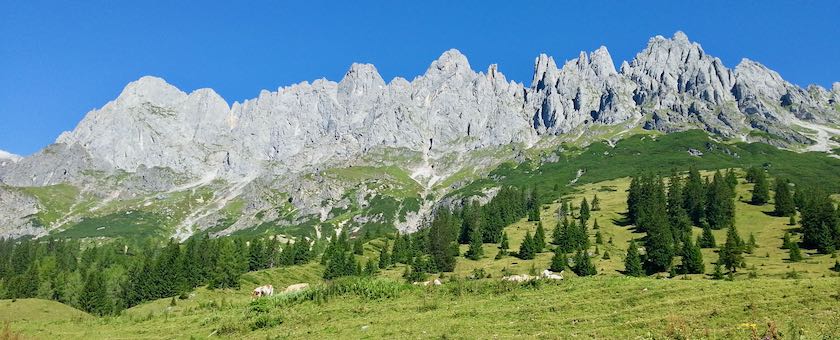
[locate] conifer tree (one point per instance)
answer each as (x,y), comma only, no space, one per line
(751,244)
(795,254)
(595,225)
(694,194)
(503,245)
(783,200)
(384,257)
(227,270)
(706,239)
(599,239)
(761,190)
(718,272)
(358,246)
(720,208)
(476,251)
(606,255)
(786,240)
(692,257)
(659,245)
(584,211)
(370,268)
(633,262)
(792,219)
(677,216)
(731,253)
(583,264)
(442,237)
(596,203)
(527,248)
(819,222)
(731,179)
(558,261)
(539,238)
(94,298)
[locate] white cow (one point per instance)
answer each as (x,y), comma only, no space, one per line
(436,282)
(296,288)
(519,278)
(547,274)
(267,290)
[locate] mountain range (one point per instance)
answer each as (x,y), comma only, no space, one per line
(312,157)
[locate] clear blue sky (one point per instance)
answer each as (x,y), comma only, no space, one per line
(58,60)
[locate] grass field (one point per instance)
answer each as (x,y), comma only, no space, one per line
(608,305)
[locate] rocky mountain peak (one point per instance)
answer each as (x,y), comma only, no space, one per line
(545,72)
(151,89)
(8,156)
(361,79)
(450,62)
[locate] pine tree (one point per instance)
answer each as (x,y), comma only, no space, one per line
(751,244)
(384,257)
(539,238)
(94,298)
(442,240)
(596,203)
(358,246)
(784,205)
(819,222)
(795,254)
(659,245)
(227,270)
(731,179)
(599,239)
(558,261)
(786,240)
(692,257)
(731,253)
(476,251)
(606,255)
(761,190)
(677,216)
(584,211)
(720,208)
(583,264)
(695,197)
(595,225)
(633,262)
(753,173)
(718,273)
(503,245)
(527,248)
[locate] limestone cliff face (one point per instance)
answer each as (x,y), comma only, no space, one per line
(158,132)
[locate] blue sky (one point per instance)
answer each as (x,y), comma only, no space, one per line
(58,60)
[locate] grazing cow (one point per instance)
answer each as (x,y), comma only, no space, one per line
(436,282)
(519,278)
(296,288)
(547,274)
(267,290)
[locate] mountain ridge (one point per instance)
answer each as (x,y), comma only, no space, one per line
(154,138)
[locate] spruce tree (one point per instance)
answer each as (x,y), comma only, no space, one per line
(595,225)
(584,211)
(527,248)
(677,216)
(731,253)
(819,222)
(731,179)
(783,200)
(718,272)
(539,238)
(694,193)
(633,262)
(795,254)
(384,257)
(761,190)
(476,251)
(596,203)
(659,245)
(583,264)
(599,239)
(792,219)
(720,208)
(606,255)
(358,246)
(504,246)
(94,298)
(786,240)
(227,270)
(558,261)
(692,257)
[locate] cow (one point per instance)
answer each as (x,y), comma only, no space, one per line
(261,291)
(296,288)
(435,282)
(519,278)
(547,274)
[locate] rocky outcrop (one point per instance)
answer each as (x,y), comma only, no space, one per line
(170,140)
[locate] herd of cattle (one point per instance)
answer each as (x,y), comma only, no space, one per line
(268,290)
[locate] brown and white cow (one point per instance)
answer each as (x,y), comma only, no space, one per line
(267,290)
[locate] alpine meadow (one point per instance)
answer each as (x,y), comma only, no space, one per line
(663,197)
